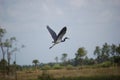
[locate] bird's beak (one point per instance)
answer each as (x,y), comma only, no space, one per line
(68,38)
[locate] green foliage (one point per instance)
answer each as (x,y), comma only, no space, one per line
(57,66)
(35,62)
(64,58)
(3,64)
(2,32)
(116,59)
(56,59)
(104,64)
(46,67)
(81,52)
(102,53)
(106,52)
(118,50)
(69,67)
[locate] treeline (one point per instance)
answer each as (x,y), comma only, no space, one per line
(105,56)
(106,53)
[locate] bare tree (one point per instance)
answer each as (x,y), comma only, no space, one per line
(56,59)
(64,58)
(2,33)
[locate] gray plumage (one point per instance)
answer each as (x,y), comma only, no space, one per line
(57,38)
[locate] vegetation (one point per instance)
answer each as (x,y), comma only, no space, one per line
(64,58)
(57,66)
(8,47)
(84,73)
(56,59)
(81,52)
(35,63)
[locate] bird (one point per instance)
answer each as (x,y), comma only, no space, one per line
(57,38)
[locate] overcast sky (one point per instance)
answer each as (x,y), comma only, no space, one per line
(89,23)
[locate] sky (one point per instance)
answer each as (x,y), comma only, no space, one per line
(89,23)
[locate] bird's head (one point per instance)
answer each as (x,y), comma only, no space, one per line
(66,38)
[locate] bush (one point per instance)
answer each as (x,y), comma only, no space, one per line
(69,67)
(105,64)
(117,59)
(57,66)
(46,67)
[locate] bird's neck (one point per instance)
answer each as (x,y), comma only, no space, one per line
(63,40)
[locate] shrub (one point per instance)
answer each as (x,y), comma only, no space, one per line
(105,64)
(57,66)
(69,67)
(46,67)
(45,76)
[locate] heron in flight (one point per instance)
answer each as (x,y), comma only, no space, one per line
(57,38)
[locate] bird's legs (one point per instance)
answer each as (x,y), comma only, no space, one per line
(52,46)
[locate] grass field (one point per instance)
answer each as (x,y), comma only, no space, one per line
(75,74)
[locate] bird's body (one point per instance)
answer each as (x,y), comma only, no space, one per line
(57,38)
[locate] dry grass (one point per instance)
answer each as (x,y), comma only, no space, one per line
(85,72)
(69,73)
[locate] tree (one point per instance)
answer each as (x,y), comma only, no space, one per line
(105,52)
(113,53)
(35,62)
(9,49)
(117,57)
(64,58)
(3,61)
(118,50)
(113,50)
(56,59)
(2,33)
(81,52)
(86,60)
(97,52)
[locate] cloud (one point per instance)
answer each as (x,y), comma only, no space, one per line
(51,8)
(78,3)
(96,11)
(106,16)
(59,11)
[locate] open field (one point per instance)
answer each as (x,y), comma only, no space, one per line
(82,74)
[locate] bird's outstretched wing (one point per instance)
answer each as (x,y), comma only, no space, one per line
(61,33)
(53,34)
